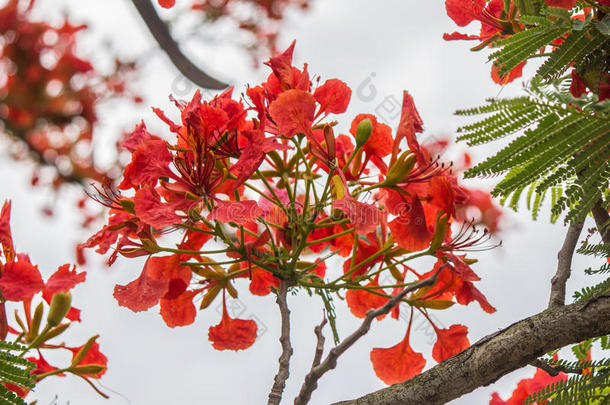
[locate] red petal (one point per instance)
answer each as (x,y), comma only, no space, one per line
(293,112)
(463,12)
(468,293)
(6,238)
(195,240)
(512,75)
(42,365)
(363,252)
(139,136)
(152,211)
(360,301)
(282,65)
(496,400)
(408,127)
(168,268)
(262,281)
(409,229)
(179,311)
(450,342)
(380,142)
(458,36)
(397,363)
(149,162)
(442,194)
(20,280)
(142,293)
(240,212)
(64,279)
(364,217)
(232,334)
(333,96)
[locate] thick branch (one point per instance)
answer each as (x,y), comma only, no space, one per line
(602,220)
(564,264)
(498,354)
(330,362)
(161,33)
(275,396)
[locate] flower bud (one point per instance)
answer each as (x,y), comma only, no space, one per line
(60,305)
(339,187)
(363,132)
(84,350)
(442,222)
(400,169)
(89,369)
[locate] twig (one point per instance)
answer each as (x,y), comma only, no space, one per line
(554,370)
(564,264)
(602,220)
(161,33)
(330,362)
(317,358)
(275,396)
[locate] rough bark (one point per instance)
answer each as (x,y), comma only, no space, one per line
(161,33)
(275,396)
(498,354)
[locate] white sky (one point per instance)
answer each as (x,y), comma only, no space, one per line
(399,41)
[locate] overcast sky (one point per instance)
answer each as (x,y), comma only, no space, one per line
(379,48)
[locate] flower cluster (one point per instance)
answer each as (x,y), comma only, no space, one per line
(262,189)
(22,284)
(49,96)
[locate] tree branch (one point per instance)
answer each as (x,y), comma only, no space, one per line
(161,33)
(498,354)
(602,220)
(317,358)
(275,396)
(330,362)
(564,264)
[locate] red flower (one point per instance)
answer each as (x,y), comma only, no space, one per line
(450,342)
(232,334)
(333,97)
(64,279)
(148,162)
